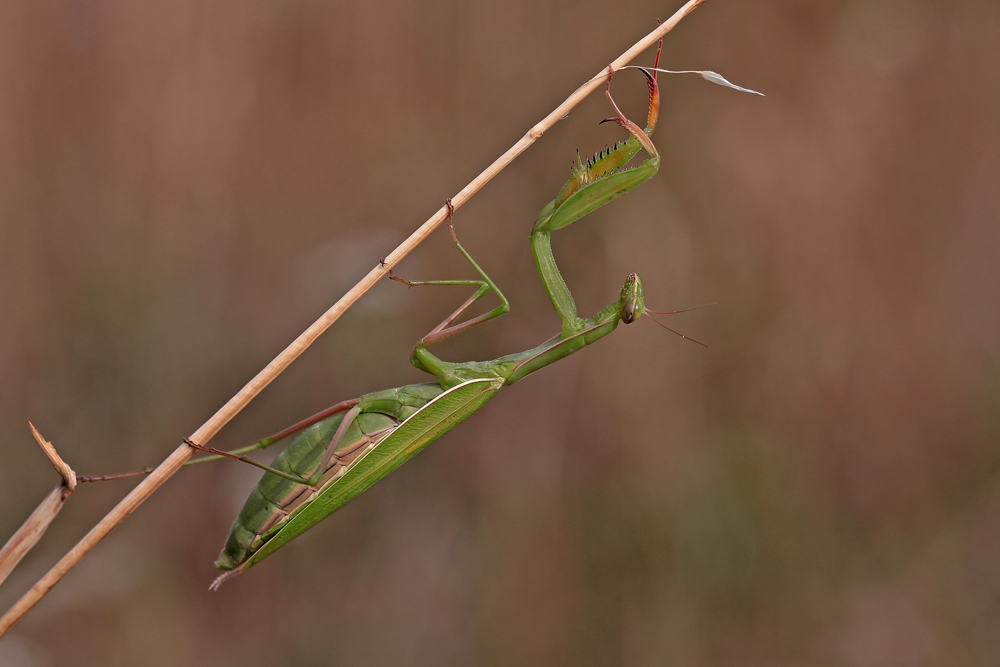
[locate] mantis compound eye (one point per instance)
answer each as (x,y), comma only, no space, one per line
(628,313)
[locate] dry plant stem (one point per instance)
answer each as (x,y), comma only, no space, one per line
(27,536)
(21,542)
(173,463)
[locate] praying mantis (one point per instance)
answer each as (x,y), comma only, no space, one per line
(349,447)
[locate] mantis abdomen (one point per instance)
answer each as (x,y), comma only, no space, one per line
(276,500)
(387,428)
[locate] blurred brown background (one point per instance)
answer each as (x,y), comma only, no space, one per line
(184,186)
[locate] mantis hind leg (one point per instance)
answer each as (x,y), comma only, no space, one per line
(216,454)
(353,410)
(343,406)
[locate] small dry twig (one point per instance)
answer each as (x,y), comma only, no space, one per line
(180,455)
(69,477)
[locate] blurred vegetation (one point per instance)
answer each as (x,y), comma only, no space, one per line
(185,186)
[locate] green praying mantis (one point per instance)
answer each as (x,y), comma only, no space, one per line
(347,448)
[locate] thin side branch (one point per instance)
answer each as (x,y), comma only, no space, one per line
(180,455)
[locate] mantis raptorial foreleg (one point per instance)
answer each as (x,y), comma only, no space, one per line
(600,180)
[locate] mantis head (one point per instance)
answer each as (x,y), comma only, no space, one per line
(631,305)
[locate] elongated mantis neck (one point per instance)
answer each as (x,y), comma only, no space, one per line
(512,367)
(627,309)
